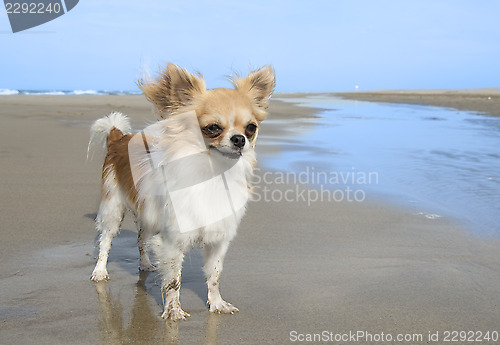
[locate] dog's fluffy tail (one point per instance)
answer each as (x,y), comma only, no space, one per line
(102,128)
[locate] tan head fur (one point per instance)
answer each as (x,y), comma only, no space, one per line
(223,113)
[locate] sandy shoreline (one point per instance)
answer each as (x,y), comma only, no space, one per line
(335,267)
(486,101)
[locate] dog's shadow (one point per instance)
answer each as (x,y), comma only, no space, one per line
(145,326)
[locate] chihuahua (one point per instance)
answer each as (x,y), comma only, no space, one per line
(186,178)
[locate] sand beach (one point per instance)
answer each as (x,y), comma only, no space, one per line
(296,270)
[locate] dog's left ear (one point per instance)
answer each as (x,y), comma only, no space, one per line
(259,85)
(173,89)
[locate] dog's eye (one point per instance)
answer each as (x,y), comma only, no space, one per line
(212,130)
(250,130)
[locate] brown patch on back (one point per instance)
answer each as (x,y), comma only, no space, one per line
(117,160)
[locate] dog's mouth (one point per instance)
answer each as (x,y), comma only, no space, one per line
(231,154)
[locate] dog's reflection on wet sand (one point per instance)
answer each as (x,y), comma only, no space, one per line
(145,326)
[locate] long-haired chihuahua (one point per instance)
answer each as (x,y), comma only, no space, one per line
(186,178)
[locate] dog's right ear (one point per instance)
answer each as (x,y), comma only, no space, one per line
(173,89)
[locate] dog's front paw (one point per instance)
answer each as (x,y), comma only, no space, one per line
(175,314)
(223,307)
(99,275)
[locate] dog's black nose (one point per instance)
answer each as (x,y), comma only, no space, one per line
(238,140)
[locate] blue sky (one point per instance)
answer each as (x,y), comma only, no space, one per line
(313,45)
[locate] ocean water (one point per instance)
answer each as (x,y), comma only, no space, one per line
(8,92)
(438,161)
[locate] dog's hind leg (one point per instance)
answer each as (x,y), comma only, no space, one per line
(108,221)
(142,241)
(214,258)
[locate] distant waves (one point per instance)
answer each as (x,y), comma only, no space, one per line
(6,92)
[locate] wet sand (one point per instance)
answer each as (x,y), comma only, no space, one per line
(330,266)
(485,101)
